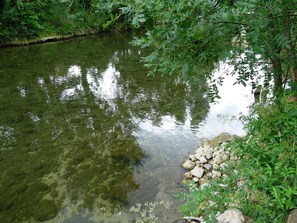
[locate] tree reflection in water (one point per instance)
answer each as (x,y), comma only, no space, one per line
(67,125)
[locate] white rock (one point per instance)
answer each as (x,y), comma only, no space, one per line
(215,166)
(199,149)
(197,172)
(209,174)
(192,157)
(208,153)
(223,165)
(203,186)
(188,165)
(198,163)
(207,166)
(198,155)
(218,159)
(203,159)
(225,157)
(206,146)
(195,179)
(216,174)
(231,216)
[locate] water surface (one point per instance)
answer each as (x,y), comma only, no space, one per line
(85,133)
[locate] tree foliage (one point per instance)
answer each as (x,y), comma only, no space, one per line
(28,19)
(191,37)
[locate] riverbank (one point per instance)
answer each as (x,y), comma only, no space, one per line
(252,176)
(39,40)
(55,38)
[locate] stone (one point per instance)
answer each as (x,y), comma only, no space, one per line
(225,157)
(223,137)
(231,216)
(208,154)
(198,155)
(197,172)
(215,166)
(292,217)
(223,165)
(203,159)
(188,176)
(209,174)
(198,163)
(192,157)
(216,174)
(218,159)
(207,166)
(203,186)
(195,179)
(188,165)
(45,210)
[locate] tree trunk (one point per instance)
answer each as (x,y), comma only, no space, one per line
(277,75)
(292,57)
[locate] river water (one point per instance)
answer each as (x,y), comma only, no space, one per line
(85,134)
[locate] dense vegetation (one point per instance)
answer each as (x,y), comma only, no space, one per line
(263,183)
(27,19)
(259,39)
(190,37)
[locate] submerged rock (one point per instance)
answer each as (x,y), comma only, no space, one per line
(231,216)
(45,210)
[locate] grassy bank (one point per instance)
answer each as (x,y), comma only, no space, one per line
(263,182)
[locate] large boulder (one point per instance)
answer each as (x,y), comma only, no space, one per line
(231,216)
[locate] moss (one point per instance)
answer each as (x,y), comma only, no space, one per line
(45,210)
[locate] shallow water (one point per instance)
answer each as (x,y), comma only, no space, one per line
(85,133)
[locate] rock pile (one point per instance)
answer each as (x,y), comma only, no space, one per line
(209,159)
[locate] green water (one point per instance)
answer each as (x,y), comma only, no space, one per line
(84,132)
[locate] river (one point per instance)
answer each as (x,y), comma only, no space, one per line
(85,134)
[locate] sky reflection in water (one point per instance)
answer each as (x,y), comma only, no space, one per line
(84,130)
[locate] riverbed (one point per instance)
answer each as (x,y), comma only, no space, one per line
(85,134)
